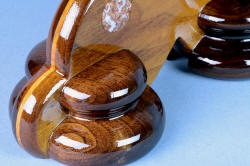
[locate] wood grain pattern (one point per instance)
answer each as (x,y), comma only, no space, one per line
(116,141)
(85,99)
(150,32)
(107,99)
(223,51)
(106,88)
(37,109)
(32,99)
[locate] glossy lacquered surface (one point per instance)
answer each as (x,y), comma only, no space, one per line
(85,70)
(103,113)
(150,32)
(84,105)
(77,43)
(223,51)
(106,88)
(115,141)
(226,18)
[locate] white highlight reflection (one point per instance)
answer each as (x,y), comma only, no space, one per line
(75,94)
(116,117)
(71,143)
(246,50)
(54,89)
(119,93)
(90,4)
(129,141)
(69,21)
(212,18)
(245,40)
(212,62)
(30,104)
(247,62)
(215,38)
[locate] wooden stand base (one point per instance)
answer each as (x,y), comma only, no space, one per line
(224,49)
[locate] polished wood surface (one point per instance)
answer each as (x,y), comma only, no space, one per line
(150,32)
(114,82)
(85,95)
(110,85)
(36,59)
(231,19)
(15,93)
(117,141)
(223,51)
(104,112)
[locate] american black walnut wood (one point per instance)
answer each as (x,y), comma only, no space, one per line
(224,49)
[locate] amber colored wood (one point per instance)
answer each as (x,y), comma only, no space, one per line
(81,57)
(14,95)
(106,88)
(37,109)
(53,27)
(84,77)
(52,75)
(223,51)
(110,112)
(36,59)
(111,93)
(110,142)
(150,33)
(63,39)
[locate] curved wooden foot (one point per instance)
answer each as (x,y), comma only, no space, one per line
(104,115)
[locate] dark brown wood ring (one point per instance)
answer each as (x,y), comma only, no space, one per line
(224,49)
